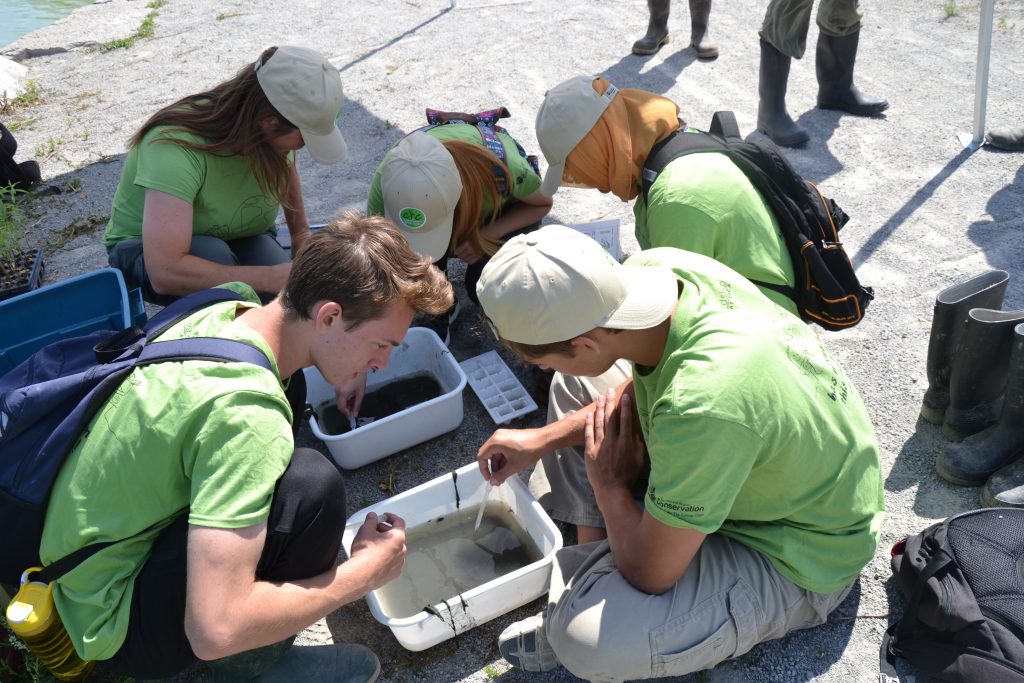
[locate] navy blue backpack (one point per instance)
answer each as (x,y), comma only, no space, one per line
(47,401)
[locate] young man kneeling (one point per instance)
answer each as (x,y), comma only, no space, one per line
(763,499)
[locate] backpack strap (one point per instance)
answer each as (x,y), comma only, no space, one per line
(671,148)
(723,125)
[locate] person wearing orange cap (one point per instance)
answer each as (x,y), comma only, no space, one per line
(451,195)
(205,177)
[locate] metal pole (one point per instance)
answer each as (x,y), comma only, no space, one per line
(981,83)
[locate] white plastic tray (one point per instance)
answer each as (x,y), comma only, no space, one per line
(497,388)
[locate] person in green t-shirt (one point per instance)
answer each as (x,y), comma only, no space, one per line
(451,195)
(205,177)
(225,536)
(596,135)
(729,488)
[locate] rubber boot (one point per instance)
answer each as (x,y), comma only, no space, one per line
(1010,139)
(337,663)
(246,666)
(772,118)
(1005,442)
(978,380)
(700,36)
(657,28)
(834,62)
(948,320)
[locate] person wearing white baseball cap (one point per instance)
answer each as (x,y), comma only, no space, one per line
(458,190)
(598,136)
(205,177)
(718,464)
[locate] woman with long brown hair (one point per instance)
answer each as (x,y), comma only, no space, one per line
(451,195)
(205,177)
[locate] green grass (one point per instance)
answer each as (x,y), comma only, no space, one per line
(12,222)
(145,29)
(951,9)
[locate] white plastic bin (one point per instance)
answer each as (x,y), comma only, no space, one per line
(435,499)
(420,351)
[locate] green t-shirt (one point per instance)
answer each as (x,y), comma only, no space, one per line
(525,180)
(703,203)
(226,199)
(213,437)
(755,431)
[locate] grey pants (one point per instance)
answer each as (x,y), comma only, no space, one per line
(603,629)
(258,250)
(786,22)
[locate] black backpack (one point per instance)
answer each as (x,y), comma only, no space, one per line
(964,583)
(827,290)
(48,400)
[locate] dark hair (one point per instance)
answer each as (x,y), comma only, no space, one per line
(229,116)
(364,264)
(533,351)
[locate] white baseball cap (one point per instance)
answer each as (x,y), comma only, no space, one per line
(421,186)
(568,112)
(306,89)
(555,283)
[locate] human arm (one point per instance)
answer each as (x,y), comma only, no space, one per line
(509,451)
(350,396)
(227,610)
(522,213)
(166,240)
(652,556)
(295,211)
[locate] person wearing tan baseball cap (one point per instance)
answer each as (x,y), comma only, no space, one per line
(458,188)
(206,176)
(709,450)
(598,136)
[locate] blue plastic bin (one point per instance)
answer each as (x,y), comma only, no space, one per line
(70,308)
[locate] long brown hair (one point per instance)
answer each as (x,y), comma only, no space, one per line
(477,166)
(229,116)
(364,264)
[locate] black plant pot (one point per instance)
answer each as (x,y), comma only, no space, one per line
(23,275)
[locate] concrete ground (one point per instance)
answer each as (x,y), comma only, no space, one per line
(926,213)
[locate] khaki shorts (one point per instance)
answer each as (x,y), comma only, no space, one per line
(786,22)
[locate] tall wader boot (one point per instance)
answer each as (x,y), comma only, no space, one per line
(948,320)
(835,58)
(700,36)
(1005,441)
(772,118)
(978,380)
(657,28)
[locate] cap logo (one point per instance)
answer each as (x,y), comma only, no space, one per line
(412,218)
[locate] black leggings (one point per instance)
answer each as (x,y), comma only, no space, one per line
(307,519)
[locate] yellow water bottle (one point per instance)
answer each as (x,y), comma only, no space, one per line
(32,616)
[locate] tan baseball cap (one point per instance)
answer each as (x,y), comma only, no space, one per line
(306,89)
(568,112)
(556,283)
(421,186)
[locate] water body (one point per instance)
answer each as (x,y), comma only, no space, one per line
(20,17)
(446,558)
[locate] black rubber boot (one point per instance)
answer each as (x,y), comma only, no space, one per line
(948,320)
(338,663)
(657,28)
(978,380)
(834,66)
(772,118)
(1010,139)
(246,666)
(700,36)
(1006,440)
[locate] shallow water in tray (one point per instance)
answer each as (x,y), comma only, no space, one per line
(446,558)
(385,400)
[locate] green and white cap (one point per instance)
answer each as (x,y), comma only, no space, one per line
(421,186)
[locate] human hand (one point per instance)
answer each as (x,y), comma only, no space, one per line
(507,452)
(350,395)
(613,450)
(381,542)
(468,252)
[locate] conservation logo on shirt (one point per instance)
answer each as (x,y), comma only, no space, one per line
(681,511)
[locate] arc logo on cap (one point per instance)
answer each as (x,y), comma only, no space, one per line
(412,218)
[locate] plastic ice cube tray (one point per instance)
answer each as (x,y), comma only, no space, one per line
(496,387)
